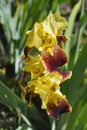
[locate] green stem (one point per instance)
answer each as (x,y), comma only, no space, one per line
(54,124)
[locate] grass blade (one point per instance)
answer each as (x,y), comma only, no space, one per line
(71,21)
(82,119)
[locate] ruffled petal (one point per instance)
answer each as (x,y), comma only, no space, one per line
(54,24)
(34,66)
(62,107)
(65,75)
(44,35)
(33,38)
(52,62)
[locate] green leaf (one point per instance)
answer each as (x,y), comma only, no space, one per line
(17,15)
(76,79)
(79,67)
(73,117)
(54,5)
(82,119)
(23,127)
(62,1)
(85,127)
(6,10)
(83,52)
(74,52)
(83,20)
(77,76)
(8,98)
(35,5)
(71,21)
(79,34)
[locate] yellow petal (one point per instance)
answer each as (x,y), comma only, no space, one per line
(33,40)
(34,66)
(54,24)
(44,34)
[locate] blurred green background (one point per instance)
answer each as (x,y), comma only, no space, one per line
(18,16)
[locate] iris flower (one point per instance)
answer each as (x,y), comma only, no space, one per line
(45,64)
(44,34)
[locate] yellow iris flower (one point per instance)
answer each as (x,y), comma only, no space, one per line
(44,34)
(44,67)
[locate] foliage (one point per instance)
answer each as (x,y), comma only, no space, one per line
(16,17)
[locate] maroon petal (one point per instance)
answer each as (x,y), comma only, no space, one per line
(62,107)
(65,75)
(53,62)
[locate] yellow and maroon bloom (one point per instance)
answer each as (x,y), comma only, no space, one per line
(45,65)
